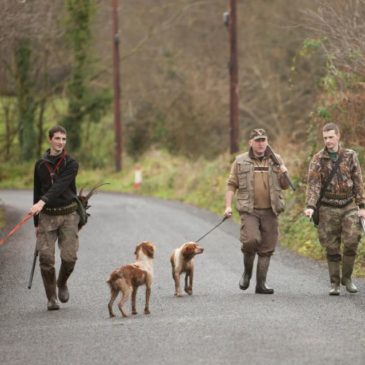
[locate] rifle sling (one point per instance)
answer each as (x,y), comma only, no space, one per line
(327,182)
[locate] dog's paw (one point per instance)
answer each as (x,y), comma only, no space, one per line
(147,311)
(189,291)
(134,312)
(111,315)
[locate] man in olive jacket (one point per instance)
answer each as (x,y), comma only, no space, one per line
(259,183)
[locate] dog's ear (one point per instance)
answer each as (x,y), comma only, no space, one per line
(188,250)
(138,247)
(148,248)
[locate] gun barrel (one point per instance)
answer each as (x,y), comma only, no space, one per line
(289,181)
(277,162)
(33,268)
(362,221)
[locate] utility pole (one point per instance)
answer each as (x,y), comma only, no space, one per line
(117,93)
(231,17)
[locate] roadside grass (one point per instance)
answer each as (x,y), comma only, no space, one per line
(200,182)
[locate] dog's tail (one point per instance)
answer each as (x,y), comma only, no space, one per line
(112,278)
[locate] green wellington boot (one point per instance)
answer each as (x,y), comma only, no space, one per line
(334,272)
(347,268)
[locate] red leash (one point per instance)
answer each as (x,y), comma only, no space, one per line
(27,217)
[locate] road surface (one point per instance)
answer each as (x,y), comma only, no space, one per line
(219,324)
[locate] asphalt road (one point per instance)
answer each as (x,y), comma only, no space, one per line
(219,324)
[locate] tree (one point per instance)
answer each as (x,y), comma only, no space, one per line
(28,39)
(26,100)
(78,36)
(340,27)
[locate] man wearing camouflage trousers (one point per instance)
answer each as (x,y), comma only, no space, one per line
(259,183)
(55,216)
(342,204)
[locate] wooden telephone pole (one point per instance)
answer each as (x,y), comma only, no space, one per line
(233,72)
(117,92)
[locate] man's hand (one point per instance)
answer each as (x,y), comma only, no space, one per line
(37,207)
(283,169)
(309,212)
(361,213)
(228,212)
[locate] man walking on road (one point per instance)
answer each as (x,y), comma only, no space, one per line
(258,182)
(55,216)
(342,202)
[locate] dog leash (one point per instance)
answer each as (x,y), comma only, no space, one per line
(26,217)
(216,226)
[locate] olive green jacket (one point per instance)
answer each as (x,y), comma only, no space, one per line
(241,179)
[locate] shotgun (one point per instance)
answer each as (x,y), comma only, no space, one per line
(33,268)
(362,221)
(277,162)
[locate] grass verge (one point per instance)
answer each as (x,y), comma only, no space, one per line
(201,183)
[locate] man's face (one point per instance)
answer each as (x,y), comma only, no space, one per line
(331,140)
(258,146)
(57,143)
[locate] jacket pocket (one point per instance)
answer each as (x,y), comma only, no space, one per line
(243,201)
(243,174)
(280,202)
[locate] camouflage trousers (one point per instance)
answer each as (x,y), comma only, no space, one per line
(61,228)
(336,226)
(259,232)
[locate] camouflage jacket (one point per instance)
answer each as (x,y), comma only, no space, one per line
(345,185)
(241,178)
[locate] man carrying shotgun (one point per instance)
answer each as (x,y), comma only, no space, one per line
(258,176)
(55,216)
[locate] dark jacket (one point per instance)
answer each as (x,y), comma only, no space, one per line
(63,190)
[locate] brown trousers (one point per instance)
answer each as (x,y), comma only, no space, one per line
(259,232)
(57,227)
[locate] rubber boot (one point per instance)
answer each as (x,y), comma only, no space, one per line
(248,260)
(49,282)
(65,271)
(263,263)
(334,272)
(347,268)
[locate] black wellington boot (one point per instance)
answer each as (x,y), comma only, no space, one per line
(248,260)
(263,263)
(65,271)
(49,282)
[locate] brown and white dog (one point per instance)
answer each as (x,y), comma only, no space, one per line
(128,278)
(182,261)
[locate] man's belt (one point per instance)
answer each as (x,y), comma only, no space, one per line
(338,196)
(68,209)
(337,204)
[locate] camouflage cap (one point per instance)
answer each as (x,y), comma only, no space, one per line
(258,133)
